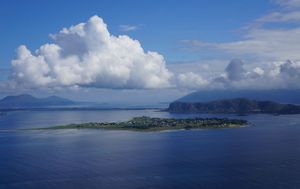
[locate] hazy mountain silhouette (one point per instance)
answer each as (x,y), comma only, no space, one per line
(280,96)
(28,101)
(237,105)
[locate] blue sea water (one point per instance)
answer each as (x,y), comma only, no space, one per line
(263,155)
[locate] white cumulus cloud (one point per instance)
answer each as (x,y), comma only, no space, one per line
(276,75)
(191,80)
(88,55)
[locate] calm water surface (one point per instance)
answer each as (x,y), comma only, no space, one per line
(264,155)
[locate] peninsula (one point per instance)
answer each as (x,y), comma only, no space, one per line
(157,124)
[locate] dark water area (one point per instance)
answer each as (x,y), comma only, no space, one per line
(263,155)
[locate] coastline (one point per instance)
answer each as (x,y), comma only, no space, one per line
(147,124)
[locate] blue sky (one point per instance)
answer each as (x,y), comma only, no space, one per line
(147,48)
(162,23)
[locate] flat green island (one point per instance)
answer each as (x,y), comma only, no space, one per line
(157,124)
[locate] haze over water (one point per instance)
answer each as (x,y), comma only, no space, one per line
(263,155)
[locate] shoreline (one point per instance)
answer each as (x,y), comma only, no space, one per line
(147,124)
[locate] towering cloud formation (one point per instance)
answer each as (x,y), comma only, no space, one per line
(276,75)
(88,55)
(235,70)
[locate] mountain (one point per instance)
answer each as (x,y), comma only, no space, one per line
(237,105)
(280,96)
(28,101)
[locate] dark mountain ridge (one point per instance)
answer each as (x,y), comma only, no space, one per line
(236,105)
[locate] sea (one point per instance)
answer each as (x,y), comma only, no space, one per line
(265,154)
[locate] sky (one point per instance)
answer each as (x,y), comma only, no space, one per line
(147,51)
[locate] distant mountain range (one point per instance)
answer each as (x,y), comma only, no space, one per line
(28,101)
(237,106)
(280,96)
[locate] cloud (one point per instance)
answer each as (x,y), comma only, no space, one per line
(235,70)
(87,55)
(288,3)
(276,75)
(191,80)
(240,75)
(127,28)
(263,44)
(290,69)
(272,37)
(291,17)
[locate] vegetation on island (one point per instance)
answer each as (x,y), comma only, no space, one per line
(158,124)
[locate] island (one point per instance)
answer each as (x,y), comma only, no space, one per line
(157,124)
